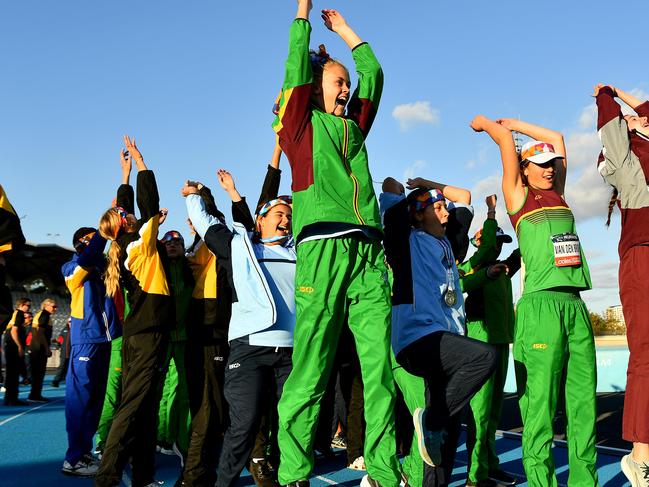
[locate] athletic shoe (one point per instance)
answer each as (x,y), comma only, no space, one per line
(261,474)
(298,483)
(165,449)
(368,481)
(501,477)
(429,442)
(155,483)
(338,441)
(39,399)
(85,467)
(16,402)
(357,464)
(637,473)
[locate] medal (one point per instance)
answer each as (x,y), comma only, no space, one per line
(450,297)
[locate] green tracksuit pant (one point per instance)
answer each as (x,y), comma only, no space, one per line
(338,277)
(553,333)
(113,391)
(413,390)
(486,407)
(174,420)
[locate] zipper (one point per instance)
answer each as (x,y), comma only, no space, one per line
(349,171)
(260,274)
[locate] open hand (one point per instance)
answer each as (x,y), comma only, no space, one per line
(131,147)
(333,20)
(225,180)
(125,161)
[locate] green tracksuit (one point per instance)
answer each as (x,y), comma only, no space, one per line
(489,318)
(347,276)
(113,392)
(553,334)
(340,265)
(413,390)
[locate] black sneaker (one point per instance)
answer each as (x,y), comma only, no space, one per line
(298,483)
(501,477)
(39,399)
(261,474)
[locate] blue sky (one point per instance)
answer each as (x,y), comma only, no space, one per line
(194,82)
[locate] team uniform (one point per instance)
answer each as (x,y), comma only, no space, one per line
(489,318)
(207,354)
(340,266)
(553,335)
(261,327)
(625,165)
(144,344)
(93,325)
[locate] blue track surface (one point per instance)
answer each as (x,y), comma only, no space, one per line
(33,442)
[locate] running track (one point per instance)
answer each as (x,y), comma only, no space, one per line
(33,441)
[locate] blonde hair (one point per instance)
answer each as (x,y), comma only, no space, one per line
(109,226)
(47,302)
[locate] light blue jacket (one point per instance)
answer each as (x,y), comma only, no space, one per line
(254,309)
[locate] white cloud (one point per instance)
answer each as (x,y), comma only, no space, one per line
(414,170)
(605,275)
(583,148)
(588,117)
(411,114)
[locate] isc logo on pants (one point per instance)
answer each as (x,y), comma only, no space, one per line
(235,365)
(84,359)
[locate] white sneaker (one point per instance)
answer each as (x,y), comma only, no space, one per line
(85,467)
(429,442)
(637,473)
(357,464)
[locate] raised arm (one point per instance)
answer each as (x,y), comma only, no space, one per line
(303,9)
(613,132)
(451,193)
(270,187)
(134,153)
(125,194)
(512,184)
(627,98)
(364,103)
(544,135)
(336,23)
(294,106)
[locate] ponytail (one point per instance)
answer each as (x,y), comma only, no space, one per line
(611,205)
(109,227)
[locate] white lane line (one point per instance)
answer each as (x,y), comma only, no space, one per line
(326,480)
(2,423)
